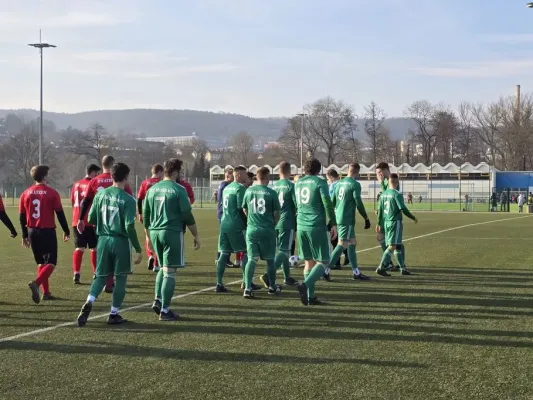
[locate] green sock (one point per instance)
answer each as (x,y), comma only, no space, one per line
(271,272)
(250,271)
(403,253)
(399,256)
(244,262)
(221,267)
(315,274)
(97,286)
(119,291)
(306,274)
(167,289)
(158,284)
(385,259)
(282,261)
(336,255)
(383,245)
(352,256)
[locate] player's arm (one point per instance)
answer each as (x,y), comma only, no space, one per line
(188,218)
(241,193)
(328,206)
(72,198)
(87,200)
(403,207)
(380,213)
(190,192)
(146,214)
(5,219)
(360,205)
(140,198)
(22,218)
(58,208)
(93,212)
(244,205)
(276,207)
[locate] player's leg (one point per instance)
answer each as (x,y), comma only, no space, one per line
(150,255)
(224,251)
(252,242)
(389,229)
(121,254)
(158,248)
(36,248)
(77,255)
(49,241)
(173,259)
(383,243)
(334,244)
(267,250)
(92,241)
(304,249)
(285,240)
(318,243)
(399,248)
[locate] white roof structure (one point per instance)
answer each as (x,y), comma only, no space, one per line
(435,168)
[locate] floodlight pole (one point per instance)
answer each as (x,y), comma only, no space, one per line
(302,142)
(41,46)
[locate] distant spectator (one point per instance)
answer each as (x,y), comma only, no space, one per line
(521,202)
(420,199)
(494,201)
(503,202)
(409,198)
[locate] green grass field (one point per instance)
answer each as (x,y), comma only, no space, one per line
(459,328)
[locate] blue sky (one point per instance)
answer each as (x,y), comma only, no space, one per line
(263,58)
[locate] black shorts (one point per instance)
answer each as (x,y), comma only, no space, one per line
(87,239)
(43,245)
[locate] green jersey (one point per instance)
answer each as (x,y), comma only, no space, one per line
(113,210)
(392,207)
(313,203)
(233,219)
(261,203)
(287,200)
(346,199)
(166,207)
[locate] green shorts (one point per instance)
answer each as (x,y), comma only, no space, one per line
(169,247)
(313,244)
(285,237)
(261,244)
(113,256)
(393,232)
(231,242)
(346,232)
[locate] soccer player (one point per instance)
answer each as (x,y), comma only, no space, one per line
(113,214)
(286,225)
(383,173)
(102,181)
(86,239)
(190,192)
(166,209)
(346,198)
(232,225)
(228,178)
(262,208)
(390,216)
(37,206)
(157,174)
(315,212)
(5,219)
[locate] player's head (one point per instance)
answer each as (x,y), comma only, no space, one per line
(284,169)
(120,172)
(332,175)
(263,175)
(228,174)
(157,170)
(312,166)
(108,162)
(382,170)
(251,178)
(92,170)
(394,181)
(240,175)
(353,170)
(296,177)
(172,168)
(39,173)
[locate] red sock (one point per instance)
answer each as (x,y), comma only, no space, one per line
(42,277)
(93,260)
(156,264)
(148,252)
(77,258)
(110,281)
(239,256)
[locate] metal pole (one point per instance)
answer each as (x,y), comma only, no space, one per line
(41,112)
(302,143)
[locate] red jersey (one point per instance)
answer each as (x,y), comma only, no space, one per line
(188,188)
(77,194)
(2,208)
(39,203)
(145,185)
(102,181)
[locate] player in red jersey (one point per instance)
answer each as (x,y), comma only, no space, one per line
(37,206)
(157,175)
(102,181)
(88,238)
(187,186)
(5,219)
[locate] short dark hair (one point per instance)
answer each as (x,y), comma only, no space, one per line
(172,165)
(332,173)
(262,172)
(285,167)
(251,175)
(39,172)
(108,161)
(312,166)
(383,165)
(356,167)
(157,169)
(120,172)
(394,176)
(92,168)
(240,168)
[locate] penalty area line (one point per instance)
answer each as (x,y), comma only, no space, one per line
(136,307)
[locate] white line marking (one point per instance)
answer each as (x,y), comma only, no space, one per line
(73,323)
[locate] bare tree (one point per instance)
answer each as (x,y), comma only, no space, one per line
(487,120)
(378,134)
(242,144)
(93,143)
(445,127)
(293,133)
(422,113)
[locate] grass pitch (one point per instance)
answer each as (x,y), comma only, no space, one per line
(459,328)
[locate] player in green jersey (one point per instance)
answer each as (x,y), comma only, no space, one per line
(166,209)
(314,212)
(346,199)
(390,219)
(113,213)
(232,226)
(383,173)
(287,223)
(262,208)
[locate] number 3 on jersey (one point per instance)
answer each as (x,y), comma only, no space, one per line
(387,207)
(37,208)
(303,195)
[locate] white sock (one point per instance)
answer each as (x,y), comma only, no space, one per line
(164,310)
(356,271)
(91,298)
(114,310)
(327,271)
